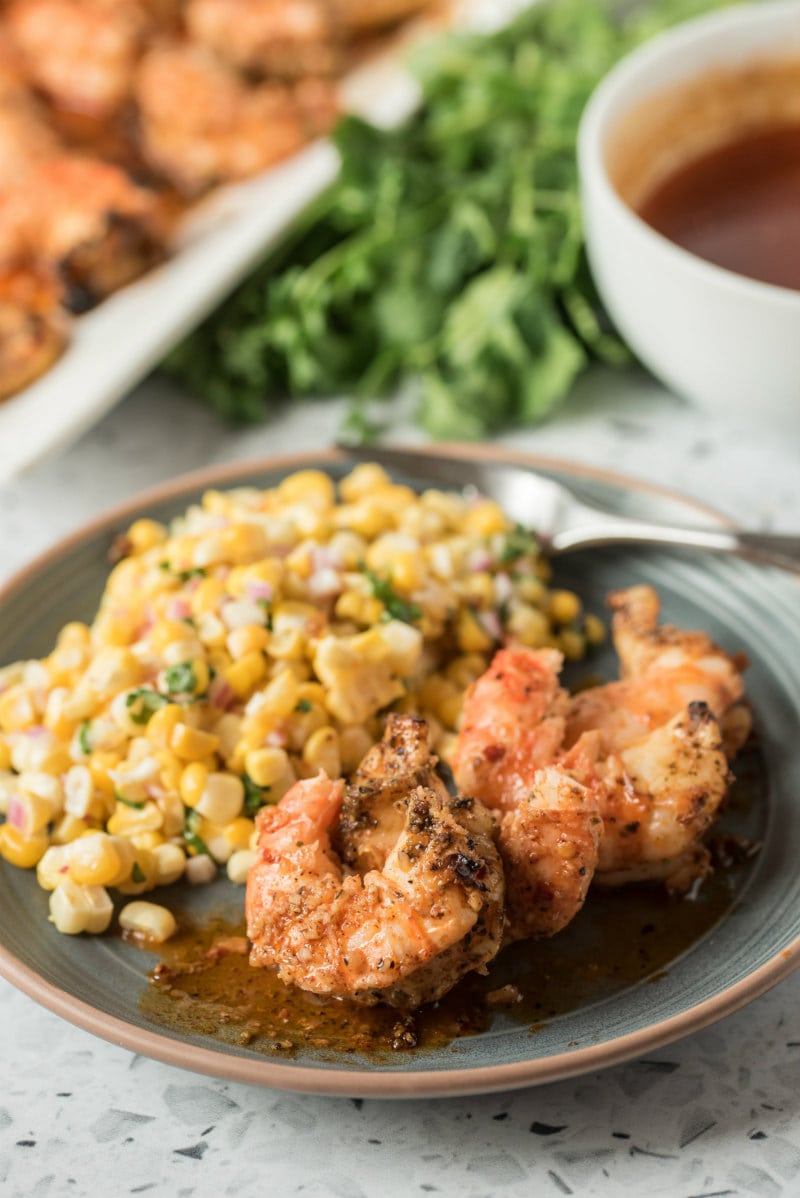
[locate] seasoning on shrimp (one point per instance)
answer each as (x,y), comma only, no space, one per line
(402,933)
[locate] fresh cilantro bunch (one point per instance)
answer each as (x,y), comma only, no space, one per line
(450,252)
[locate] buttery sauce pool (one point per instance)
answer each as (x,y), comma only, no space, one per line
(621,938)
(737,206)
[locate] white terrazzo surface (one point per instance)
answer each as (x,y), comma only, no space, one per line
(717,1114)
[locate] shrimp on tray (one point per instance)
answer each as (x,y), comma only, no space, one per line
(402,934)
(509,755)
(80,53)
(286,39)
(85,219)
(200,123)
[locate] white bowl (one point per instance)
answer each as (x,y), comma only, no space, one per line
(727,342)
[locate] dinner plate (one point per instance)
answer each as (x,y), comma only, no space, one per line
(113,347)
(98,982)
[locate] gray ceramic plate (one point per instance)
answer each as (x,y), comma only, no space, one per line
(97,983)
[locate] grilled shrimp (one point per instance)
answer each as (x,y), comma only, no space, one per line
(402,934)
(664,669)
(94,226)
(658,797)
(201,124)
(33,327)
(283,38)
(507,755)
(25,137)
(665,733)
(80,53)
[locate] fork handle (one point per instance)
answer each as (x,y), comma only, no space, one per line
(776,549)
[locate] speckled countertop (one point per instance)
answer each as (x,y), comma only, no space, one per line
(717,1114)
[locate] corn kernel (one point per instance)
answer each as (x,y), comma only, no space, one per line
(564,607)
(362,609)
(239,832)
(594,630)
(470,635)
(69,828)
(75,909)
(321,751)
(478,589)
(463,671)
(246,673)
(192,784)
(165,633)
(143,873)
(363,480)
(239,864)
(147,840)
(365,517)
(93,860)
(5,755)
(173,812)
(485,518)
(170,863)
(229,730)
(16,709)
(246,640)
(191,744)
(222,798)
(148,921)
(162,724)
(208,597)
(130,821)
(52,867)
(146,534)
(529,626)
(354,744)
(200,870)
(28,813)
(571,644)
(266,766)
(308,486)
(20,850)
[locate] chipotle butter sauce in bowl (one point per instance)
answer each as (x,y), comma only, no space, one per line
(689,155)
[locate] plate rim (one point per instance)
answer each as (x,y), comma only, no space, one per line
(369,1082)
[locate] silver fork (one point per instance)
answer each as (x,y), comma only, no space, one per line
(561,521)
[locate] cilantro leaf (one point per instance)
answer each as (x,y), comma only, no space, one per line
(181,679)
(143,703)
(83,737)
(255,797)
(395,607)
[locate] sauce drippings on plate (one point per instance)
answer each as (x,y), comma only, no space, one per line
(623,937)
(737,205)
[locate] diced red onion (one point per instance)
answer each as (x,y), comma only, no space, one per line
(490,623)
(256,590)
(480,560)
(16,814)
(178,608)
(221,694)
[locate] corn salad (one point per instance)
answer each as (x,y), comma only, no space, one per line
(259,639)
